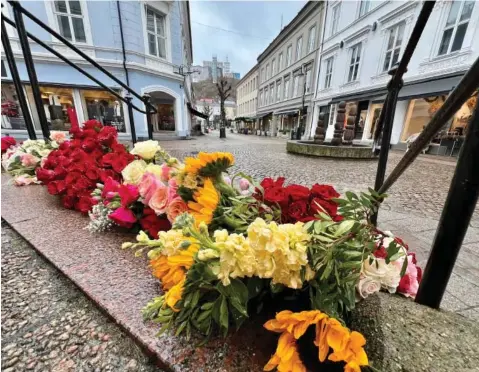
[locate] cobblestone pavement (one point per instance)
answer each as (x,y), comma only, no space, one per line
(49,325)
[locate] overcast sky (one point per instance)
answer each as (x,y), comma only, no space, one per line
(259,19)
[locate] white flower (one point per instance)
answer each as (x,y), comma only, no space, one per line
(367,286)
(146,149)
(133,172)
(377,269)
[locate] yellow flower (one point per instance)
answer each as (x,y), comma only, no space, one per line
(154,169)
(206,201)
(168,275)
(330,333)
(133,172)
(286,358)
(174,295)
(146,149)
(209,164)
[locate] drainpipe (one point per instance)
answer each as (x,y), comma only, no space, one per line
(123,44)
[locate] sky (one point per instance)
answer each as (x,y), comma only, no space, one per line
(250,25)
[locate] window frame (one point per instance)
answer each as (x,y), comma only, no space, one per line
(267,72)
(272,94)
(311,41)
(454,28)
(296,82)
(308,84)
(328,76)
(355,64)
(299,48)
(280,61)
(394,47)
(163,9)
(273,67)
(362,11)
(286,80)
(52,16)
(289,55)
(335,21)
(278,90)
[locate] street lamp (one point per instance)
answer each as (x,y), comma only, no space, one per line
(301,118)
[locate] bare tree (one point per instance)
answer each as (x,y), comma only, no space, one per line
(207,110)
(224,91)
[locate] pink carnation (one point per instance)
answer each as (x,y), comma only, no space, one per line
(28,160)
(176,207)
(123,217)
(159,199)
(147,186)
(58,137)
(409,283)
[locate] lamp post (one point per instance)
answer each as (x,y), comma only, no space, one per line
(301,117)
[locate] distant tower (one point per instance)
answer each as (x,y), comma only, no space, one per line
(226,66)
(214,68)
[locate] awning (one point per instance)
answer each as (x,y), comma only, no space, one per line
(431,87)
(287,112)
(195,112)
(368,95)
(259,116)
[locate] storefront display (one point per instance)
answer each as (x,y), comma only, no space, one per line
(372,119)
(12,116)
(104,107)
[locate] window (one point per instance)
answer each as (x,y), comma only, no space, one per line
(266,97)
(299,47)
(271,95)
(255,103)
(354,62)
(311,38)
(395,38)
(288,55)
(261,98)
(156,33)
(364,7)
(286,88)
(267,72)
(4,69)
(456,26)
(278,91)
(280,61)
(335,18)
(262,75)
(273,67)
(329,72)
(308,78)
(295,85)
(70,20)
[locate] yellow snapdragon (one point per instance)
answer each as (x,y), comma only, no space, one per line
(171,241)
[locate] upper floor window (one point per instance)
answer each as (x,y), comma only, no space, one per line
(286,88)
(364,6)
(267,72)
(288,55)
(299,47)
(278,91)
(70,20)
(335,18)
(295,85)
(156,31)
(395,38)
(273,67)
(355,53)
(266,96)
(308,78)
(271,91)
(329,72)
(456,26)
(261,97)
(280,61)
(311,38)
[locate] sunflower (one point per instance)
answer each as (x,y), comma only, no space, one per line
(206,200)
(209,164)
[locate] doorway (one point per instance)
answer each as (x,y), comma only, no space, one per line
(360,119)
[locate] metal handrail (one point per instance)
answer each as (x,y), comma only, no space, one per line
(67,61)
(18,6)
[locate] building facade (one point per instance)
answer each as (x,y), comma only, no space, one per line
(144,50)
(214,108)
(247,99)
(287,72)
(364,40)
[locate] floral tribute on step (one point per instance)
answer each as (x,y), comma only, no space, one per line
(226,248)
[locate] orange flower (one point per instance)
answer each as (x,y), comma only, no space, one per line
(209,164)
(206,201)
(174,295)
(330,333)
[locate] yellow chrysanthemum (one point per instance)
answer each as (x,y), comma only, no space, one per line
(206,200)
(347,346)
(209,164)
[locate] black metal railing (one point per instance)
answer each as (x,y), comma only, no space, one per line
(23,35)
(464,190)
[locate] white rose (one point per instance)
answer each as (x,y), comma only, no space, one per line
(391,280)
(376,269)
(133,172)
(146,149)
(367,286)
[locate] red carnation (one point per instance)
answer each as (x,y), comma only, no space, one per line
(84,204)
(107,136)
(92,124)
(72,177)
(56,187)
(110,186)
(121,162)
(269,182)
(7,142)
(68,201)
(128,194)
(89,144)
(118,148)
(152,223)
(45,175)
(324,191)
(92,173)
(60,172)
(109,173)
(297,192)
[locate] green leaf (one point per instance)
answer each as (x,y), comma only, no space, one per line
(351,195)
(181,328)
(404,267)
(344,227)
(207,306)
(308,225)
(203,316)
(224,313)
(255,286)
(327,270)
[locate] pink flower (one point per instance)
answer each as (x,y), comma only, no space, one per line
(58,137)
(23,180)
(147,186)
(159,199)
(244,184)
(128,194)
(409,283)
(176,207)
(123,217)
(165,173)
(28,160)
(172,189)
(227,180)
(110,188)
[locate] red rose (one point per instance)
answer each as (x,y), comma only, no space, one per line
(50,163)
(63,161)
(56,187)
(118,148)
(7,142)
(107,136)
(108,173)
(319,205)
(84,204)
(324,191)
(128,194)
(68,201)
(45,175)
(121,162)
(297,210)
(381,252)
(60,172)
(72,177)
(269,182)
(297,192)
(152,223)
(123,217)
(275,195)
(83,183)
(92,124)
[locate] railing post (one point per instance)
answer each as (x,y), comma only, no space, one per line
(389,108)
(130,117)
(455,218)
(27,55)
(146,99)
(17,82)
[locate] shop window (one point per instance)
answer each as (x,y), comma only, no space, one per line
(12,116)
(156,33)
(58,105)
(395,39)
(372,120)
(4,69)
(355,53)
(69,16)
(456,26)
(104,107)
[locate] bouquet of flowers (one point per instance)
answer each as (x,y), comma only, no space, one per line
(237,249)
(21,161)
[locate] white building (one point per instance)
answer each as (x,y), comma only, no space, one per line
(364,39)
(215,109)
(247,98)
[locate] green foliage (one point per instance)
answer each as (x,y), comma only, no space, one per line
(360,207)
(185,193)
